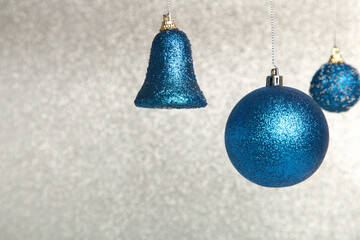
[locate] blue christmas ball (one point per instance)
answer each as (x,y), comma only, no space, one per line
(336,87)
(276,136)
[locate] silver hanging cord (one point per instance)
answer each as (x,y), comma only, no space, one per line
(335,24)
(272,33)
(169,7)
(274,79)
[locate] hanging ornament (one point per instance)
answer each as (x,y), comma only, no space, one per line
(336,85)
(170,79)
(276,136)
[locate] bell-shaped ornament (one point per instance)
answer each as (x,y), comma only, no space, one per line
(170,79)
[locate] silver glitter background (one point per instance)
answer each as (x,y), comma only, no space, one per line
(80,161)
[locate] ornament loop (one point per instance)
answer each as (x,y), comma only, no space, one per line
(168,23)
(274,79)
(336,56)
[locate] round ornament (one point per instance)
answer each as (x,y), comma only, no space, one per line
(276,136)
(336,85)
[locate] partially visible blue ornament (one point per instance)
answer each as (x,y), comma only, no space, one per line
(276,136)
(170,80)
(336,85)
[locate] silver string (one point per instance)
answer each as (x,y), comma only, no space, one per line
(169,9)
(272,33)
(335,23)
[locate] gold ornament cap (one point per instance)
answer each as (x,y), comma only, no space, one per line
(168,23)
(336,56)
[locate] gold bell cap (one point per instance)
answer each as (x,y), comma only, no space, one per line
(168,23)
(336,56)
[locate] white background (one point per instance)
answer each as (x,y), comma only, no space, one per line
(79,161)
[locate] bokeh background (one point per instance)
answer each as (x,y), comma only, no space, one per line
(79,161)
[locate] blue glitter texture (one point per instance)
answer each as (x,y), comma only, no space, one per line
(336,87)
(170,80)
(276,136)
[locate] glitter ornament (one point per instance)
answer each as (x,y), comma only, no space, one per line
(336,85)
(170,79)
(276,136)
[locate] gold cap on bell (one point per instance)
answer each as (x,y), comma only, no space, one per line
(168,23)
(336,56)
